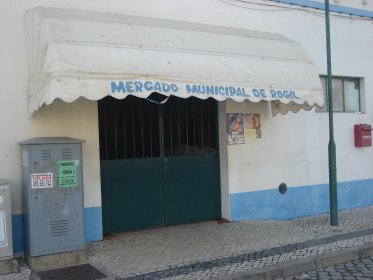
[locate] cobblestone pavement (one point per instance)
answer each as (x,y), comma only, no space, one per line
(210,249)
(357,269)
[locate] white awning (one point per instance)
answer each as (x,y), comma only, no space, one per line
(85,54)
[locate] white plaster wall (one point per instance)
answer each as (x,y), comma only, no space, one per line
(77,120)
(293,148)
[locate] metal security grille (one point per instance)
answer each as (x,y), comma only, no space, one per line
(129,128)
(159,162)
(190,126)
(138,128)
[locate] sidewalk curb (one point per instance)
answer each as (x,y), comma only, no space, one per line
(302,265)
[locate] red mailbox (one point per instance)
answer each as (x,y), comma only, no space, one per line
(363,135)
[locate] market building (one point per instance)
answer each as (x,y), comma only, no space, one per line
(190,110)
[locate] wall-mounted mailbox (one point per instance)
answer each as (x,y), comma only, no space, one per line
(363,135)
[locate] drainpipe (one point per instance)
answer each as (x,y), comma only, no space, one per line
(331,146)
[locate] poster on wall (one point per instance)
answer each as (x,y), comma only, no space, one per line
(3,237)
(235,129)
(252,126)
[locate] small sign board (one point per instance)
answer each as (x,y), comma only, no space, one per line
(67,174)
(3,237)
(42,180)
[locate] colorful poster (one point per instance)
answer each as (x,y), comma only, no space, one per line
(67,174)
(42,180)
(252,126)
(3,237)
(235,129)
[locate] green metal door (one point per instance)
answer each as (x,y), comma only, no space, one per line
(159,163)
(131,200)
(191,161)
(191,188)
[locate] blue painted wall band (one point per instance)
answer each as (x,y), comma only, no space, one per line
(333,8)
(92,220)
(257,205)
(93,224)
(298,201)
(17,225)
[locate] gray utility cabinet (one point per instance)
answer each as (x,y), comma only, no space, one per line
(6,239)
(53,195)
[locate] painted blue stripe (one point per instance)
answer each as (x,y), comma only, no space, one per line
(93,228)
(17,226)
(333,8)
(298,201)
(93,224)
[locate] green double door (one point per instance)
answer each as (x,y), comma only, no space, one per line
(159,163)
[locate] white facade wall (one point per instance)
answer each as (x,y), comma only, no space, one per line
(293,148)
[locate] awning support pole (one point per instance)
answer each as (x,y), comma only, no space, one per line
(331,146)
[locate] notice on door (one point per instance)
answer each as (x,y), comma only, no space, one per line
(3,237)
(67,174)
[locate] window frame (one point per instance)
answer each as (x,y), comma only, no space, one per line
(324,109)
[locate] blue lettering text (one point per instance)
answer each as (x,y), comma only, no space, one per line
(165,87)
(119,88)
(256,92)
(129,87)
(148,86)
(138,86)
(192,89)
(174,88)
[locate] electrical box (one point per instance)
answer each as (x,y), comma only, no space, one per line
(363,135)
(6,239)
(52,179)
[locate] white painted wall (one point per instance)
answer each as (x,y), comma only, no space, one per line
(293,148)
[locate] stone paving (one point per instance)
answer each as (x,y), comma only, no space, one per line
(210,249)
(357,269)
(23,274)
(255,260)
(207,250)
